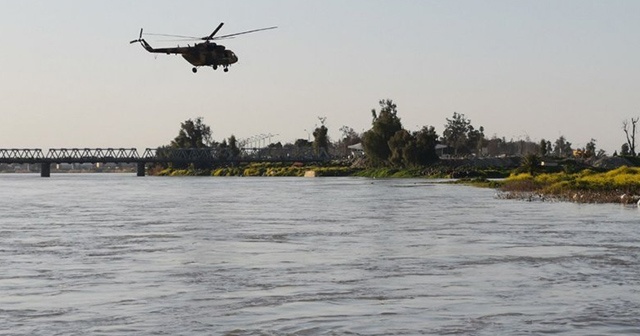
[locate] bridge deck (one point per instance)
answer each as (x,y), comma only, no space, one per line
(156,155)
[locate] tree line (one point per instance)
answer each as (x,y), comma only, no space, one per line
(388,144)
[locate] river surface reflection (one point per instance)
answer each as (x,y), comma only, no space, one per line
(121,255)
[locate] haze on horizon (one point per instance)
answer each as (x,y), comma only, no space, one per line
(536,69)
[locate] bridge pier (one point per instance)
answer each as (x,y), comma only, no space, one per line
(45,169)
(141,169)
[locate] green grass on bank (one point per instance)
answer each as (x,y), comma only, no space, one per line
(275,169)
(261,169)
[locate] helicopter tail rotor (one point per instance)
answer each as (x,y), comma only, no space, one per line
(139,38)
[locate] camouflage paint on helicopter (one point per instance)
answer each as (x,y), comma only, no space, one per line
(201,54)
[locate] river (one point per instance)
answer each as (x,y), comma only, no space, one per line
(115,254)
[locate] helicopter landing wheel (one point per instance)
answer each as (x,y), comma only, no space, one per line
(215,67)
(194,69)
(226,69)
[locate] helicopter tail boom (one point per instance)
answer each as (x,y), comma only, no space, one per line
(146,46)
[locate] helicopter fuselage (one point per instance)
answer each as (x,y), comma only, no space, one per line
(201,54)
(209,54)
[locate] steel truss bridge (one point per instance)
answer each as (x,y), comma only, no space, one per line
(202,156)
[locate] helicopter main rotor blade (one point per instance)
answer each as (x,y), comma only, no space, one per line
(177,36)
(241,33)
(214,32)
(206,38)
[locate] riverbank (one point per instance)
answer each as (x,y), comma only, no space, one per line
(260,169)
(299,170)
(621,185)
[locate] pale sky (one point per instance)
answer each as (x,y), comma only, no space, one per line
(537,69)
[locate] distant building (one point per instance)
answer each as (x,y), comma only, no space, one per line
(442,151)
(357,150)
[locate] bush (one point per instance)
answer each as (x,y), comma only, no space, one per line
(253,171)
(547,179)
(558,188)
(520,183)
(623,179)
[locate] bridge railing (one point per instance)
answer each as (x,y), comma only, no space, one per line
(181,154)
(92,154)
(24,153)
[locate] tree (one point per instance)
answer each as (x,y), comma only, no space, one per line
(496,146)
(426,141)
(413,149)
(476,140)
(590,148)
(301,143)
(349,137)
(543,148)
(562,148)
(530,163)
(631,138)
(624,150)
(320,138)
(192,134)
(455,132)
(233,146)
(403,149)
(460,135)
(387,142)
(385,124)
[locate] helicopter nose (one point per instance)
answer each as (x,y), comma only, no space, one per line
(232,56)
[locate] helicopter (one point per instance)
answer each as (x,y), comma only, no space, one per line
(205,53)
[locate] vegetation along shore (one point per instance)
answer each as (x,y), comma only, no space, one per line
(621,185)
(523,169)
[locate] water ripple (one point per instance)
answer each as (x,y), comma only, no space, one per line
(292,256)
